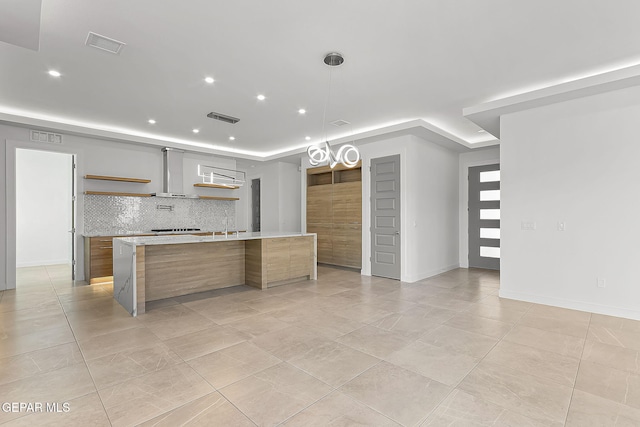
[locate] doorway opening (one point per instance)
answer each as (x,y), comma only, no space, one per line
(45,210)
(255,205)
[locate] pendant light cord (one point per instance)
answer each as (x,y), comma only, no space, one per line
(326,104)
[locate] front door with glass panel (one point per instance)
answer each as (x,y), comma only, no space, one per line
(484,217)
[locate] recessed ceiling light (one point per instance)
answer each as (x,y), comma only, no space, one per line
(308,138)
(196,130)
(152,122)
(302,111)
(209,80)
(232,138)
(261,97)
(54,73)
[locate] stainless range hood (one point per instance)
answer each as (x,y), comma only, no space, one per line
(172,185)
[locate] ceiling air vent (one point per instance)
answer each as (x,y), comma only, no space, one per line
(340,123)
(104,43)
(223,118)
(53,138)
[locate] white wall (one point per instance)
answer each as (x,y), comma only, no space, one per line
(43,208)
(574,162)
(96,157)
(279,196)
(289,203)
(432,210)
(477,157)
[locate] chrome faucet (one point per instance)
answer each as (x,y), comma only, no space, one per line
(226,225)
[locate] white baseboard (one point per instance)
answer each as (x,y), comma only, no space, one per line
(572,304)
(39,263)
(431,273)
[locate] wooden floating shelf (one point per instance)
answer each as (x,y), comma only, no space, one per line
(219,198)
(226,187)
(109,193)
(117,178)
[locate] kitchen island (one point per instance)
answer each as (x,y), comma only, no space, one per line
(150,268)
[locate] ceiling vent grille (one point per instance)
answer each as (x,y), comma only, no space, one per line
(53,138)
(104,43)
(339,123)
(223,118)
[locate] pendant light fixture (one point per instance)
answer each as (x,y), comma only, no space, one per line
(347,154)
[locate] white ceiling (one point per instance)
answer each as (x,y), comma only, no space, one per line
(408,64)
(20,22)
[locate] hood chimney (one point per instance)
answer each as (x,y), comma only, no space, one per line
(172,182)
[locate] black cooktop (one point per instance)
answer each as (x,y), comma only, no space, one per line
(164,230)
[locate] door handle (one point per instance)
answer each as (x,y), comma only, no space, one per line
(397,232)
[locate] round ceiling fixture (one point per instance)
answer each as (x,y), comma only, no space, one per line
(333,59)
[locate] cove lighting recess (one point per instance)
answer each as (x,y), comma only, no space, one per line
(54,73)
(66,124)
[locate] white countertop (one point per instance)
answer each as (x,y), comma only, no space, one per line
(150,233)
(179,239)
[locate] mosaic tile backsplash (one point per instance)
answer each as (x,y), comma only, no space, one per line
(113,215)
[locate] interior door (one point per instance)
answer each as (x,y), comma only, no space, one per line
(255,204)
(484,217)
(385,217)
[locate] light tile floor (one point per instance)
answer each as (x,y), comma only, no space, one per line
(343,350)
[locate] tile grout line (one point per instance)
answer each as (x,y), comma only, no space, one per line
(455,387)
(219,390)
(84,359)
(573,389)
(332,389)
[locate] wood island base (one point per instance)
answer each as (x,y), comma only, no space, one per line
(175,269)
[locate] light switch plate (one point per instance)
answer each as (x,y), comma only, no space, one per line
(528,225)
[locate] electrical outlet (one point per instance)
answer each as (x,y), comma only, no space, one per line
(602,283)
